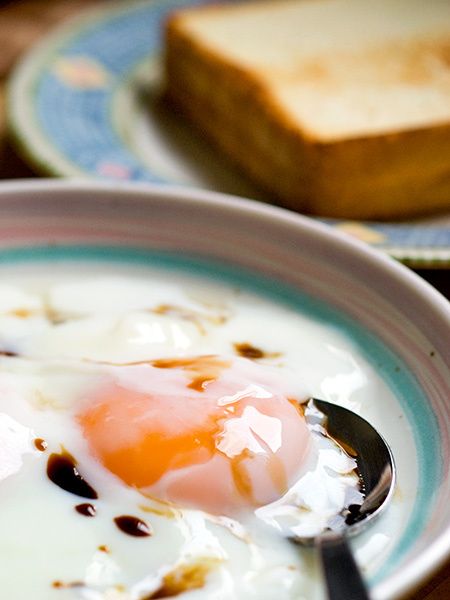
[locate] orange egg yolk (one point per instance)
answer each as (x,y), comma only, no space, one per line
(202,432)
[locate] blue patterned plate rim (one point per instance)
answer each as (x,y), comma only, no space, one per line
(76,108)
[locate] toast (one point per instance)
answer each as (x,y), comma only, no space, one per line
(339,108)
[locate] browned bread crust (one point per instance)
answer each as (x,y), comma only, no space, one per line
(385,176)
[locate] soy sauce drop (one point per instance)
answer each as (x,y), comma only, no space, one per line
(133,526)
(87,509)
(62,470)
(40,444)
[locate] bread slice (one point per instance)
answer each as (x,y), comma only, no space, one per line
(337,107)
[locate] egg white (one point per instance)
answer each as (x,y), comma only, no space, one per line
(66,329)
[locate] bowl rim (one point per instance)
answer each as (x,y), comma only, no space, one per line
(409,577)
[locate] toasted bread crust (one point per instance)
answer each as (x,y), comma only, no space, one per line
(386,176)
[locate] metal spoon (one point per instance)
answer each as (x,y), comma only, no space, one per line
(377,472)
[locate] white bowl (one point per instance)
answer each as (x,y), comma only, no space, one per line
(393,307)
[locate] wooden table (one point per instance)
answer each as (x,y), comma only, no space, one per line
(22,22)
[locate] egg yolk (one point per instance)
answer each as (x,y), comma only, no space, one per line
(204,432)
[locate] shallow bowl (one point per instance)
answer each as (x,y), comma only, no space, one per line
(390,309)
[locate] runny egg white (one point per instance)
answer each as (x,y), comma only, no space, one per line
(153,442)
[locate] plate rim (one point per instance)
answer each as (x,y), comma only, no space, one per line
(20,86)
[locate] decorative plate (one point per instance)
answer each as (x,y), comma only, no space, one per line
(86,102)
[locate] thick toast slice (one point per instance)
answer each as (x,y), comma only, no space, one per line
(337,107)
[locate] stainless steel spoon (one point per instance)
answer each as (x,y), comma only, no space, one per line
(377,472)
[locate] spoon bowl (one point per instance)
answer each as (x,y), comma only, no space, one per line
(376,469)
(374,459)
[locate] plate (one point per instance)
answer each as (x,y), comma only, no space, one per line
(86,102)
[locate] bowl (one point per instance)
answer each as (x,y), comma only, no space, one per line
(400,322)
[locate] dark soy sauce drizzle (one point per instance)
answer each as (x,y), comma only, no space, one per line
(133,526)
(62,470)
(40,444)
(248,350)
(87,510)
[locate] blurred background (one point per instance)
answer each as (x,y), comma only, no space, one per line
(25,22)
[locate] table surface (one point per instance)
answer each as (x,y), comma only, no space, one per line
(22,22)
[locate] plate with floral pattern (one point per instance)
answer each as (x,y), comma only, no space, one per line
(86,102)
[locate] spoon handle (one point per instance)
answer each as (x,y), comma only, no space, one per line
(341,574)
